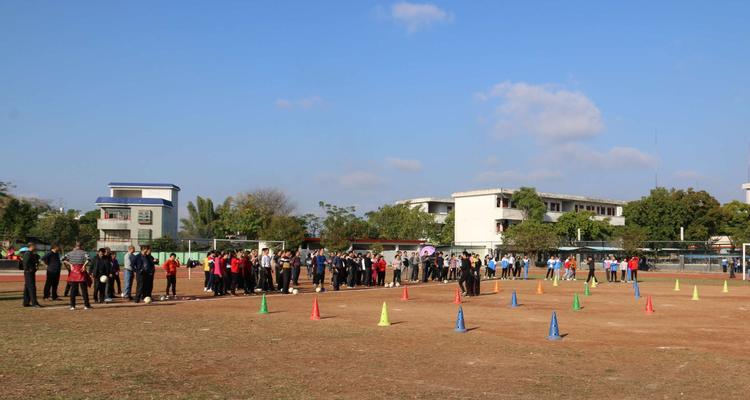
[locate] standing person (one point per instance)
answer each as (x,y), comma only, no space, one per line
(558,267)
(129,260)
(452,268)
(425,268)
(592,267)
(397,265)
(491,268)
(352,270)
(477,274)
(170,267)
(76,262)
(144,267)
(439,261)
(207,264)
(380,265)
(550,268)
(414,262)
(525,263)
(573,266)
(248,274)
(405,264)
(606,262)
(566,265)
(285,263)
(102,268)
(52,260)
(367,265)
(504,264)
(30,261)
(235,269)
(623,269)
(613,264)
(463,279)
(515,265)
(296,267)
(633,268)
(217,274)
(309,265)
(266,282)
(115,277)
(320,269)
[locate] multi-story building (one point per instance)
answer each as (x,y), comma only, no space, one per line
(136,213)
(483,215)
(746,188)
(439,207)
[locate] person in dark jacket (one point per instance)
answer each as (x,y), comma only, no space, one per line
(464,281)
(52,260)
(30,261)
(367,262)
(296,266)
(102,268)
(144,268)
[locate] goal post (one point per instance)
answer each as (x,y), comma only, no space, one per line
(243,241)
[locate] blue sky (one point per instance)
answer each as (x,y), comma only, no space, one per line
(363,103)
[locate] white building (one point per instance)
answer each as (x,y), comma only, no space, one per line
(439,207)
(483,215)
(746,188)
(136,213)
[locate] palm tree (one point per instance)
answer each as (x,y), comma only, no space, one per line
(202,218)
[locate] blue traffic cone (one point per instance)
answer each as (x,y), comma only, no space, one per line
(554,329)
(460,325)
(514,300)
(637,291)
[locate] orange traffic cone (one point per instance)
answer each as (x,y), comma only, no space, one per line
(457,298)
(315,316)
(405,294)
(649,306)
(539,289)
(497,287)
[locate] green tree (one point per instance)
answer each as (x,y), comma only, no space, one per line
(239,220)
(591,229)
(164,243)
(401,222)
(88,232)
(531,237)
(736,222)
(62,228)
(531,205)
(633,238)
(286,228)
(443,234)
(313,224)
(341,225)
(202,219)
(19,216)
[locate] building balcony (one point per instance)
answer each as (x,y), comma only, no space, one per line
(113,224)
(113,244)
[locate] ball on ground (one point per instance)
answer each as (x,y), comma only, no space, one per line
(147,300)
(295,291)
(103,279)
(317,290)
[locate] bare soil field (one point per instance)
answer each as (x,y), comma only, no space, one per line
(217,348)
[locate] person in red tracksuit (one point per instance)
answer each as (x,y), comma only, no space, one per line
(380,266)
(170,266)
(235,270)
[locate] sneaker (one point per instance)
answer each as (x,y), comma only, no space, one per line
(107,300)
(72,308)
(87,308)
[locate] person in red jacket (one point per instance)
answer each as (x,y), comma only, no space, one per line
(633,268)
(170,266)
(380,267)
(236,267)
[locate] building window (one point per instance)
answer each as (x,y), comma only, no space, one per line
(554,207)
(504,202)
(450,208)
(611,211)
(117,213)
(144,236)
(144,217)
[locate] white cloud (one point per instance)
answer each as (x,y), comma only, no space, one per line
(359,180)
(418,16)
(547,113)
(518,176)
(304,103)
(615,158)
(405,165)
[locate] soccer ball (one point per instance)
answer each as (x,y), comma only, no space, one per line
(147,300)
(258,290)
(398,284)
(445,281)
(295,291)
(103,279)
(291,289)
(162,298)
(317,290)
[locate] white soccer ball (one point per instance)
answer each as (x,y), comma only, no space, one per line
(291,290)
(445,281)
(258,290)
(162,298)
(295,291)
(147,300)
(317,290)
(103,279)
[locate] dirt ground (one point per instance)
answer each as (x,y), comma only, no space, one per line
(222,348)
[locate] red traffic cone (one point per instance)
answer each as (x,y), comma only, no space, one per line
(405,294)
(497,287)
(457,298)
(649,306)
(315,316)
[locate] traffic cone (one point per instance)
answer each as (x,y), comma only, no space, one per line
(384,317)
(586,291)
(676,285)
(263,305)
(315,316)
(594,283)
(726,288)
(405,294)
(514,300)
(497,286)
(637,291)
(554,329)
(460,323)
(554,281)
(457,297)
(649,305)
(695,293)
(539,289)
(576,303)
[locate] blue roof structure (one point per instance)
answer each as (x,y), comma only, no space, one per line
(133,201)
(140,184)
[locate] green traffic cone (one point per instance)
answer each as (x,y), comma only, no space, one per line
(586,291)
(576,303)
(263,305)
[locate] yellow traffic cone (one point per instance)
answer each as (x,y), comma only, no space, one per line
(384,317)
(726,288)
(593,283)
(695,293)
(554,281)
(676,285)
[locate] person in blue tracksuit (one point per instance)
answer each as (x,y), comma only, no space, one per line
(525,267)
(558,267)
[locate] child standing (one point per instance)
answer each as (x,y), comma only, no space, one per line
(397,265)
(170,267)
(550,268)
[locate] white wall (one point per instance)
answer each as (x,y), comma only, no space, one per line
(475,219)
